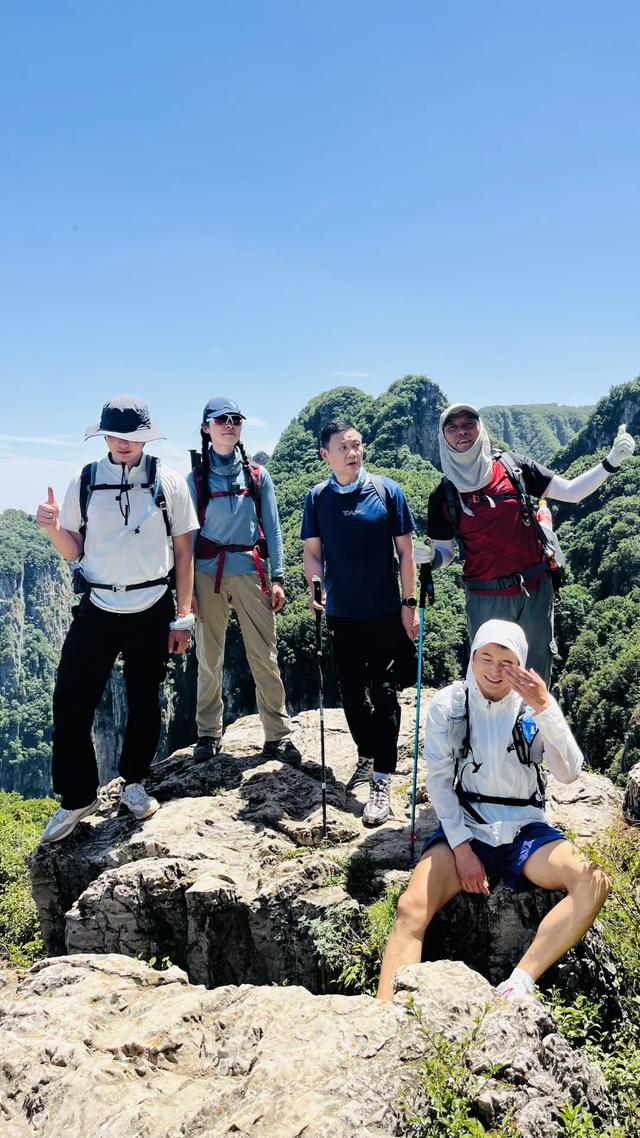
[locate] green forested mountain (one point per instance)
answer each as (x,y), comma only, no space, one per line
(34,607)
(538,429)
(621,405)
(597,620)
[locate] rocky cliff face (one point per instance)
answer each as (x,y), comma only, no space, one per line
(34,600)
(620,405)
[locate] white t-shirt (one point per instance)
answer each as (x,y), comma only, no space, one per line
(119,554)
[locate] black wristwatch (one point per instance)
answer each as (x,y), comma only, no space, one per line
(409,602)
(277,581)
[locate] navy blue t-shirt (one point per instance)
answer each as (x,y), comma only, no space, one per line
(357,534)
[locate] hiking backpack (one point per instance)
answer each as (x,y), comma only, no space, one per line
(208,549)
(551,551)
(89,486)
(525,741)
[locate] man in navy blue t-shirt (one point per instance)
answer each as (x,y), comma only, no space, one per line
(352,531)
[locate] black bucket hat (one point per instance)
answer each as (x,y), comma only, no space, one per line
(126,417)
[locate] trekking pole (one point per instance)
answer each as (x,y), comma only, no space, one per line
(317,596)
(426,591)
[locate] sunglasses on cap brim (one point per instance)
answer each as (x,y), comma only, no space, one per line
(226,420)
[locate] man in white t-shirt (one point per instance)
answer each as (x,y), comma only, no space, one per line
(128,524)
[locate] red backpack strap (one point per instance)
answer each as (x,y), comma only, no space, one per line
(253,486)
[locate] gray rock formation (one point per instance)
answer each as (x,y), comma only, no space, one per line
(105,1047)
(230,879)
(631,801)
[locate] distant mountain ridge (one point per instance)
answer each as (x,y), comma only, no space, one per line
(402,424)
(536,429)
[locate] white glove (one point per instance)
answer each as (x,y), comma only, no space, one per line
(425,553)
(623,446)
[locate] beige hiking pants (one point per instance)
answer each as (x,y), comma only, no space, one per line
(258,627)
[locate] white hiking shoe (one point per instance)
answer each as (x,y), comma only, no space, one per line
(136,799)
(378,808)
(64,821)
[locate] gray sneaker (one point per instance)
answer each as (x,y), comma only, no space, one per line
(378,808)
(136,799)
(64,821)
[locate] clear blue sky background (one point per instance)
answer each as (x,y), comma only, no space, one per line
(272,198)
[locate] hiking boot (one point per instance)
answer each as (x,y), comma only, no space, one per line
(284,750)
(136,799)
(207,747)
(378,807)
(64,821)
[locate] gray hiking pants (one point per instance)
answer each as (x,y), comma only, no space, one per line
(534,614)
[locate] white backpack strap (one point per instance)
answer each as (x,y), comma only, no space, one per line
(458,724)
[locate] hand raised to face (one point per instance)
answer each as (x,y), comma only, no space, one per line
(528,684)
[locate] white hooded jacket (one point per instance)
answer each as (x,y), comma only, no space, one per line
(490,768)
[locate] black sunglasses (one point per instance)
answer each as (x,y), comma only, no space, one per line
(227,420)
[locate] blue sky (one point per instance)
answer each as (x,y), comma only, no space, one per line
(270,199)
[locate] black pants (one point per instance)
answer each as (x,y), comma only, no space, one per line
(362,651)
(93,642)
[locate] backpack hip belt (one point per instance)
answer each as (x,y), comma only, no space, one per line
(206,550)
(87,585)
(515,579)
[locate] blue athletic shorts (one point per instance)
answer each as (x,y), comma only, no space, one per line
(506,861)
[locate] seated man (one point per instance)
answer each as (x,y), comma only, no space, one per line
(484,742)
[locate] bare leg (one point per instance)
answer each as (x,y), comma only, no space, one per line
(559,866)
(433,883)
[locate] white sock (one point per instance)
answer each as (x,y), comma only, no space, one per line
(380,776)
(519,983)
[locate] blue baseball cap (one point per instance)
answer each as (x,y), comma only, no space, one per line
(220,405)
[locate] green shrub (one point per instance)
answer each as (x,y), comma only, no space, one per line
(350,945)
(445,1106)
(21,823)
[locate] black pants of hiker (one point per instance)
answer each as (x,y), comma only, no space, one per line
(93,642)
(362,651)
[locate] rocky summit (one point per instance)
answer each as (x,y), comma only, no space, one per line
(104,1047)
(241,1027)
(231,881)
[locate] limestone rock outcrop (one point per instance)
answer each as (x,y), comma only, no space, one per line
(230,879)
(631,801)
(106,1047)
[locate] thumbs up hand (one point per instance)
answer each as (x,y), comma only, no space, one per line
(623,446)
(48,513)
